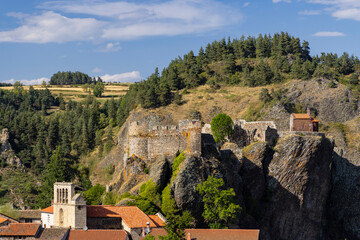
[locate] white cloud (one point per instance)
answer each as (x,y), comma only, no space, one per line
(246,4)
(111,47)
(118,20)
(128,19)
(310,12)
(133,76)
(53,27)
(328,34)
(341,9)
(96,70)
(37,81)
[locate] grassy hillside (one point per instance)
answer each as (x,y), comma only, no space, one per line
(78,93)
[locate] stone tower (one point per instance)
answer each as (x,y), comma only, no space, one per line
(69,208)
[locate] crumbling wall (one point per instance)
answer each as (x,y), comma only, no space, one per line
(148,142)
(246,133)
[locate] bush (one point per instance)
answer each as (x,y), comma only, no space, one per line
(93,196)
(221,127)
(175,167)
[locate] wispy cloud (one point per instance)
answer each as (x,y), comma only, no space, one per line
(37,81)
(328,34)
(341,9)
(133,76)
(246,4)
(310,12)
(96,70)
(110,47)
(119,20)
(277,1)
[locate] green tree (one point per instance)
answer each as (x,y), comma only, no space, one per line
(93,196)
(219,205)
(221,127)
(99,89)
(176,224)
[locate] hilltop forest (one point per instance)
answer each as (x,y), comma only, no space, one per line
(50,144)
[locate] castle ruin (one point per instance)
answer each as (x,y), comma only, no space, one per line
(149,142)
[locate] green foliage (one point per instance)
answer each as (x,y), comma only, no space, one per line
(150,191)
(168,204)
(93,196)
(149,198)
(149,237)
(221,127)
(176,224)
(69,78)
(219,205)
(111,198)
(176,165)
(99,89)
(8,210)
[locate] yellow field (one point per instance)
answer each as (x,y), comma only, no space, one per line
(77,93)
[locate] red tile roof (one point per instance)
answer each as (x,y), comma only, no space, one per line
(20,229)
(131,215)
(157,220)
(3,220)
(48,209)
(216,234)
(95,234)
(301,116)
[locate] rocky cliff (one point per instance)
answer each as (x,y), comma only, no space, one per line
(303,188)
(7,155)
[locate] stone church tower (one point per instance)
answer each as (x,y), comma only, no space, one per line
(69,209)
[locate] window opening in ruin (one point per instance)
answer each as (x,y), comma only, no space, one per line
(66,196)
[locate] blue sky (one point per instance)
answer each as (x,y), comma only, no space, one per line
(125,40)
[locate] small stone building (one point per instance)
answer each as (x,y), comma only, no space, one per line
(303,122)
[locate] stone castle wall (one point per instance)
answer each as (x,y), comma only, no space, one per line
(247,132)
(148,142)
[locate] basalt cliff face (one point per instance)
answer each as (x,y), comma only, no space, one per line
(301,188)
(289,191)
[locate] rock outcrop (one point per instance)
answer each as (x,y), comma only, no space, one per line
(7,155)
(287,192)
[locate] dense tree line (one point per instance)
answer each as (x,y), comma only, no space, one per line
(248,61)
(50,144)
(69,78)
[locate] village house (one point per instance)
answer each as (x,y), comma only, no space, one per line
(5,220)
(303,122)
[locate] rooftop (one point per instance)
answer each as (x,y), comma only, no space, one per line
(131,215)
(33,214)
(53,233)
(157,220)
(48,209)
(94,234)
(20,229)
(301,116)
(209,234)
(3,220)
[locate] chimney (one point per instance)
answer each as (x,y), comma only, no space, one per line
(188,236)
(308,111)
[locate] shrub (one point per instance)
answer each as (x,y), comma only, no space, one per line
(221,127)
(94,194)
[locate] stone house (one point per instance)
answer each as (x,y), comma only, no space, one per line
(303,122)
